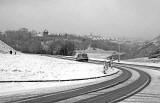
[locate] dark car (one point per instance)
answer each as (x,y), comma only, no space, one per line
(82,57)
(112,57)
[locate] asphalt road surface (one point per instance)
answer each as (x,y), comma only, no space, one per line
(121,93)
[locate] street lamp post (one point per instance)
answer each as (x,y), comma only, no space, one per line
(119,48)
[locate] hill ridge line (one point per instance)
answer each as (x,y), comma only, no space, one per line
(4,48)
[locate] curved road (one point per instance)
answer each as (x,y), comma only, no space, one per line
(121,93)
(112,96)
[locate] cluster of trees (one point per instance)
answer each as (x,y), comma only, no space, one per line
(129,50)
(26,41)
(104,44)
(59,44)
(154,54)
(60,47)
(21,40)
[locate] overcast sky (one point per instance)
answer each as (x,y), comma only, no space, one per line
(125,18)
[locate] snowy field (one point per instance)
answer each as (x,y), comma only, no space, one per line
(34,67)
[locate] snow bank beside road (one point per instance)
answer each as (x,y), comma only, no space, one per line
(142,63)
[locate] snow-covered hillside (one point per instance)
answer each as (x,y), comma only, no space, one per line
(4,48)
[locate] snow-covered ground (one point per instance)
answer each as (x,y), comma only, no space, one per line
(35,67)
(144,61)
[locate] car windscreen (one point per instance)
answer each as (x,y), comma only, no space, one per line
(84,55)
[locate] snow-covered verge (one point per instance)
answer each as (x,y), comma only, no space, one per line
(143,61)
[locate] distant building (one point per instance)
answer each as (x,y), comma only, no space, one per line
(41,34)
